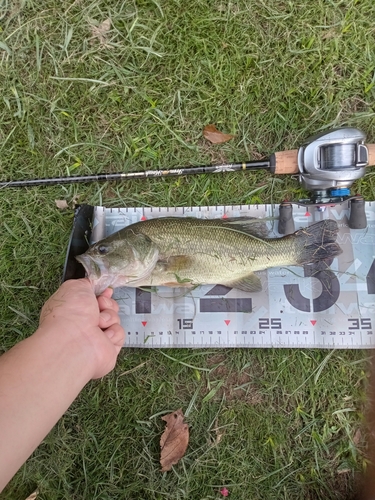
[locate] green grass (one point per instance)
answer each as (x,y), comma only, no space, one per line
(285,423)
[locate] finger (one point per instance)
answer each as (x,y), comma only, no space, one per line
(107,318)
(116,334)
(107,303)
(108,292)
(75,284)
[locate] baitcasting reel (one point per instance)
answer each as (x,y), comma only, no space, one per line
(328,164)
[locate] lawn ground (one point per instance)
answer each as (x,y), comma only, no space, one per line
(79,98)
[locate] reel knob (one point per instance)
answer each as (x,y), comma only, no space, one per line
(286,221)
(357,218)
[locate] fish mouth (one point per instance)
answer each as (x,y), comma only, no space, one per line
(91,267)
(96,272)
(102,275)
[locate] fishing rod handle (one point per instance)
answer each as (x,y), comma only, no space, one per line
(371,154)
(286,162)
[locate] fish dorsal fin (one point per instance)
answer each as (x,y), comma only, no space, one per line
(248,225)
(249,283)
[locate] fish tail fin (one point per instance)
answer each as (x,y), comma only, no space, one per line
(317,242)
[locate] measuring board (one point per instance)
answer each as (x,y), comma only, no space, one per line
(300,307)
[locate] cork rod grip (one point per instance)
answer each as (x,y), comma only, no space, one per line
(286,162)
(371,154)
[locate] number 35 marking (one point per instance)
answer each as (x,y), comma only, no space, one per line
(362,323)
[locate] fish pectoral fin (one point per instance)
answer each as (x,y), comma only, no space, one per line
(175,263)
(171,271)
(250,283)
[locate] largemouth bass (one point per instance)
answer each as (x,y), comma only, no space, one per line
(171,251)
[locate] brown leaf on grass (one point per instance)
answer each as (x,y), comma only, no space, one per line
(62,204)
(357,437)
(212,134)
(33,495)
(174,440)
(218,432)
(331,33)
(101,31)
(75,199)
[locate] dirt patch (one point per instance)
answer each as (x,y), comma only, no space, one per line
(345,486)
(354,105)
(217,156)
(235,385)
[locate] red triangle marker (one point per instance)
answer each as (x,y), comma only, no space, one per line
(143,217)
(144,323)
(225,216)
(307,214)
(227,321)
(313,321)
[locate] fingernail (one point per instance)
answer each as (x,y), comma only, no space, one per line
(105,316)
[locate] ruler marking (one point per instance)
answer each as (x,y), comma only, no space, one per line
(208,305)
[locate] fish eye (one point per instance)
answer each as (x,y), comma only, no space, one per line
(103,249)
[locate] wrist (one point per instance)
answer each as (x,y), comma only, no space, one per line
(69,344)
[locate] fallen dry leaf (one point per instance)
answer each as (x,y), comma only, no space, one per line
(331,33)
(174,440)
(218,433)
(75,199)
(101,31)
(344,471)
(62,204)
(212,134)
(33,495)
(357,437)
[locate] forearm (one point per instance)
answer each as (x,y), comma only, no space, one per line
(39,379)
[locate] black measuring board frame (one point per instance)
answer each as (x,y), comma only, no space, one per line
(78,241)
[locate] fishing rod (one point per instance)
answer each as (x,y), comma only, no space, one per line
(339,150)
(327,164)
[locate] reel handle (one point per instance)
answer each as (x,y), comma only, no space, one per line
(286,162)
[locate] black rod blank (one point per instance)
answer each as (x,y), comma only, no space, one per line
(203,169)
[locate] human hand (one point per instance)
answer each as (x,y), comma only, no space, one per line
(93,321)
